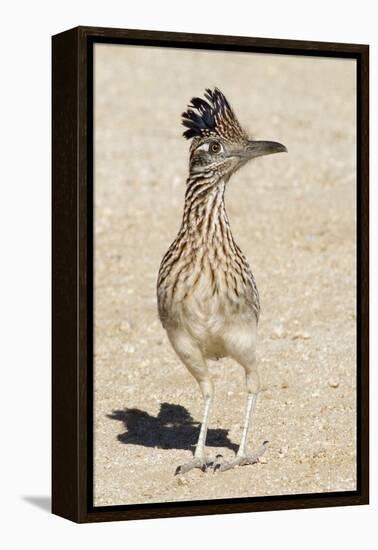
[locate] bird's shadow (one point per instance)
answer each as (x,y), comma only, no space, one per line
(172,428)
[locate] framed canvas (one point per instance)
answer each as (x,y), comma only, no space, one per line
(210,302)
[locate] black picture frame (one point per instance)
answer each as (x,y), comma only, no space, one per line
(72,273)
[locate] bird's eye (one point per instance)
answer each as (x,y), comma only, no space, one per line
(215,147)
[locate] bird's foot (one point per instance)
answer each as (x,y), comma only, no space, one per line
(198,462)
(243,460)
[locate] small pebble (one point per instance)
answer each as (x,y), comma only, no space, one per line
(283,452)
(128,348)
(333,383)
(182,481)
(278,332)
(125,326)
(301,336)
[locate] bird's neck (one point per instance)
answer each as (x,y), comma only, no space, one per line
(205,218)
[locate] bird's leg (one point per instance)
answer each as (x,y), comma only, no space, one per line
(242,458)
(199,459)
(200,447)
(193,359)
(251,401)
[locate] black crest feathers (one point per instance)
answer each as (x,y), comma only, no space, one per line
(211,116)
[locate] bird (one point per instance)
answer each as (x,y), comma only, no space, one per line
(207,298)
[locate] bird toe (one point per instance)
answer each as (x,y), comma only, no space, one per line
(201,463)
(243,460)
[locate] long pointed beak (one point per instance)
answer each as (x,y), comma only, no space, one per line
(259,148)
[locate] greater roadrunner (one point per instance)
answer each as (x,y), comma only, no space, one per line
(207,297)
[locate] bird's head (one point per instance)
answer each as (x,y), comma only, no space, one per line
(220,145)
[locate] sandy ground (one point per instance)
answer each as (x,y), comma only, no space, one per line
(293,216)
